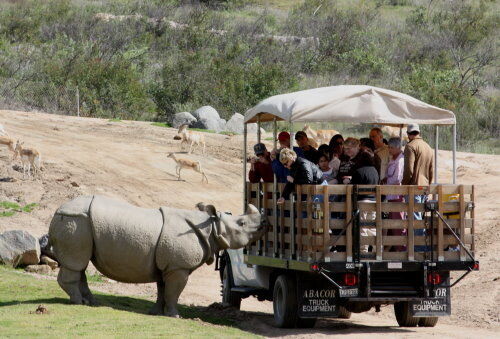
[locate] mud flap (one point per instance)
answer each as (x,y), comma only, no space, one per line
(437,306)
(317,299)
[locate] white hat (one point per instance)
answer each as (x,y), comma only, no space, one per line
(412,128)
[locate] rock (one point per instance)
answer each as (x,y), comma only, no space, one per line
(252,129)
(45,248)
(74,184)
(208,118)
(40,269)
(182,118)
(235,124)
(48,261)
(19,248)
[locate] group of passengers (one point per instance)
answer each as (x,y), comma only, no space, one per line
(368,161)
(365,161)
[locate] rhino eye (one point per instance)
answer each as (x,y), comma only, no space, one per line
(242,223)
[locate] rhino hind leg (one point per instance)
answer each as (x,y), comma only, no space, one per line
(175,281)
(159,306)
(69,281)
(87,296)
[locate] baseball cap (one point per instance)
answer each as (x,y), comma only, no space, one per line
(259,149)
(412,128)
(300,134)
(284,136)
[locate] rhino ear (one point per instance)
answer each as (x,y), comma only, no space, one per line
(251,209)
(210,209)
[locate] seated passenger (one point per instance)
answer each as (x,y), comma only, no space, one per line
(260,166)
(336,147)
(302,172)
(310,153)
(348,164)
(328,173)
(365,173)
(281,171)
(393,176)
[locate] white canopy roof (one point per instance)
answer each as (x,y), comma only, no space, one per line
(349,103)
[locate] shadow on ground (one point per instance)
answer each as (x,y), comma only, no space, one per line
(255,322)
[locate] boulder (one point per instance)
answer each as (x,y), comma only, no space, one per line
(40,269)
(208,118)
(19,248)
(182,118)
(48,261)
(252,129)
(235,125)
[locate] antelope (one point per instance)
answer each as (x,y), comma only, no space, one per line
(321,136)
(191,138)
(6,141)
(189,164)
(30,157)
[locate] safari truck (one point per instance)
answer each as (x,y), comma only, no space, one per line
(314,261)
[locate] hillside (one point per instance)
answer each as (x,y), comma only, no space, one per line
(127,160)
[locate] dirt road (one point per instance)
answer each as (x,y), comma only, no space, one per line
(128,160)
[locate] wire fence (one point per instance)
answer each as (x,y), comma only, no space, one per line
(28,95)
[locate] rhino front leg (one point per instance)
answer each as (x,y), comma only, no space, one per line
(160,300)
(175,281)
(69,281)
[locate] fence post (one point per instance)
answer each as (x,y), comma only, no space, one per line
(77,101)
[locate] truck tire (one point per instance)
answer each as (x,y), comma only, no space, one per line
(344,313)
(403,316)
(428,321)
(229,298)
(306,322)
(285,302)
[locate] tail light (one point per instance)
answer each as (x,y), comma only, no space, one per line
(434,278)
(315,267)
(350,279)
(476,266)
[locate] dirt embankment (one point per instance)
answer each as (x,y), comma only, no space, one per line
(128,160)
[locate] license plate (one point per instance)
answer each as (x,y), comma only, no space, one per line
(348,292)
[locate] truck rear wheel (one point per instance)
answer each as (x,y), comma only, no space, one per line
(229,298)
(306,322)
(428,321)
(344,313)
(403,315)
(285,302)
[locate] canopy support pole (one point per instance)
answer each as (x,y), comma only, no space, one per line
(275,189)
(292,135)
(436,147)
(244,167)
(454,153)
(259,204)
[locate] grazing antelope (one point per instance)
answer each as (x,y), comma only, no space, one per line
(6,141)
(30,157)
(189,164)
(321,136)
(190,138)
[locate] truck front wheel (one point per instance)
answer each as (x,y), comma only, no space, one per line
(228,297)
(285,302)
(403,315)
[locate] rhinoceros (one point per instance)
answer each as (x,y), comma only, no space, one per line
(138,245)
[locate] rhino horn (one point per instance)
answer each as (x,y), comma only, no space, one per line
(251,209)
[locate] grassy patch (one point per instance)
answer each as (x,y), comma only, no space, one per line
(227,133)
(8,209)
(161,124)
(115,120)
(117,316)
(269,138)
(96,277)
